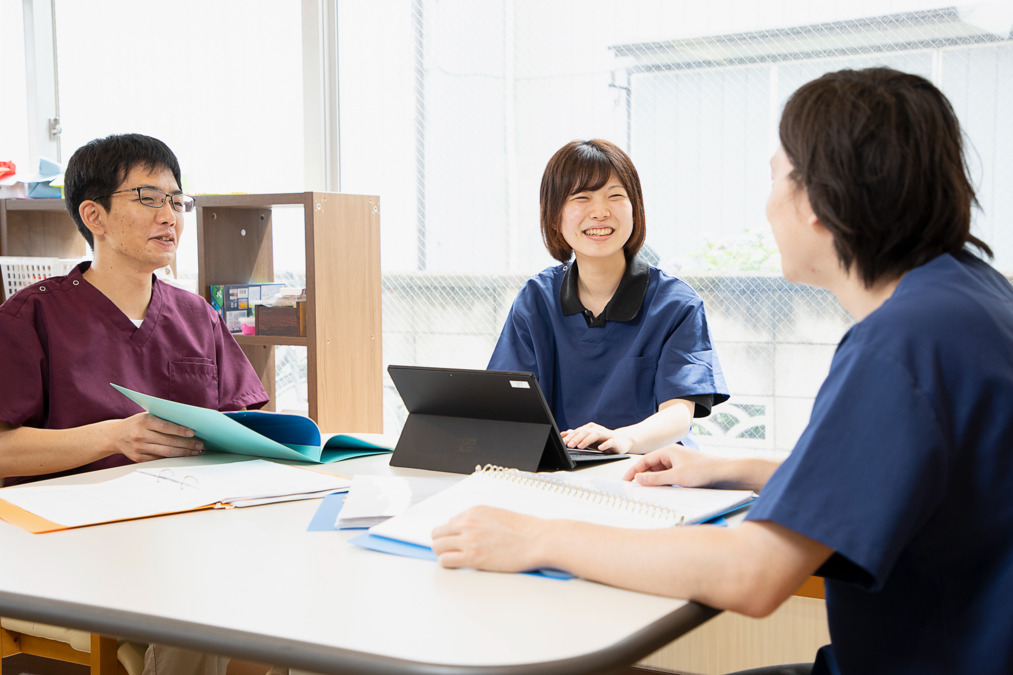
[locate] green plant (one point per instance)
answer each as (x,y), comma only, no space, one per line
(747,251)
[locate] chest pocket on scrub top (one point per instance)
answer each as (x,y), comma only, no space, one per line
(194,381)
(627,396)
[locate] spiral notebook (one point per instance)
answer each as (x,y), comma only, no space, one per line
(563,495)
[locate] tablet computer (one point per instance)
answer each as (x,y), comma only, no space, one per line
(459,419)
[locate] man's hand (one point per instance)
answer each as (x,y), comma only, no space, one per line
(144,437)
(676,465)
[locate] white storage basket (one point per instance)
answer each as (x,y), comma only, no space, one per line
(18,272)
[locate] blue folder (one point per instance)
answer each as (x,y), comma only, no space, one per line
(327,513)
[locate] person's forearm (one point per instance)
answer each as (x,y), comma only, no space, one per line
(744,474)
(26,451)
(665,427)
(720,567)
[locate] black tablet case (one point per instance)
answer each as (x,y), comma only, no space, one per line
(459,419)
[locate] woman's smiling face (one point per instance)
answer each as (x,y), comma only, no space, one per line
(598,223)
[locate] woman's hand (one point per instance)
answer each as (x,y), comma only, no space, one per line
(597,437)
(669,425)
(488,538)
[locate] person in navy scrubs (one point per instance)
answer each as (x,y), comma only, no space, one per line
(621,349)
(898,490)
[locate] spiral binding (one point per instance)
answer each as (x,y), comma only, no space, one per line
(561,487)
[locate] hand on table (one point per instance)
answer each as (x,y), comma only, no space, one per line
(675,465)
(488,538)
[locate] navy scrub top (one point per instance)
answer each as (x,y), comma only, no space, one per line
(906,471)
(650,344)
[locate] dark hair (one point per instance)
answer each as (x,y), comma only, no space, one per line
(587,165)
(881,156)
(99,167)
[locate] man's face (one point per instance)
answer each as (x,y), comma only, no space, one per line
(790,214)
(135,236)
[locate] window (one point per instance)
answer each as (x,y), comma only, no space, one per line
(452,109)
(222,90)
(219,82)
(449,110)
(13,74)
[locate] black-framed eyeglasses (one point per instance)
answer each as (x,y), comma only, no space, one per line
(155,198)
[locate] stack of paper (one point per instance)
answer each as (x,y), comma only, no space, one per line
(150,490)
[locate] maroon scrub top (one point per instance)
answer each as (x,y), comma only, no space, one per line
(62,342)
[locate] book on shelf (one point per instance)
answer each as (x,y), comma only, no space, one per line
(562,495)
(162,487)
(256,433)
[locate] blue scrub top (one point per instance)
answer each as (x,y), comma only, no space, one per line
(653,345)
(906,471)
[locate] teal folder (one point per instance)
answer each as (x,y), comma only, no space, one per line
(259,434)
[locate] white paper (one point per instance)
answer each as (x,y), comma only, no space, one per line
(150,490)
(373,499)
(250,479)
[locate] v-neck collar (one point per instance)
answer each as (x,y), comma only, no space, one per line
(137,334)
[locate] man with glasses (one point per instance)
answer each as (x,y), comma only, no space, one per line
(112,321)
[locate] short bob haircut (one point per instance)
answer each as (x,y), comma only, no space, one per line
(880,154)
(99,167)
(587,165)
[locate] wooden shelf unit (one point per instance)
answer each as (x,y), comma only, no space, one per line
(39,227)
(343,339)
(235,245)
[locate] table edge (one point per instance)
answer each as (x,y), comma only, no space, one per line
(323,659)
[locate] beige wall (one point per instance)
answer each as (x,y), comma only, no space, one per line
(731,642)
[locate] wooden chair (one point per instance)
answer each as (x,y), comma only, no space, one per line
(103,655)
(812,588)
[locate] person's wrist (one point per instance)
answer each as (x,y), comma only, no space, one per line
(626,440)
(544,539)
(107,432)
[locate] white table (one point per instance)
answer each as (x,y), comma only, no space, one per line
(254,583)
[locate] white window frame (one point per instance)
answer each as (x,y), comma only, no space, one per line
(42,99)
